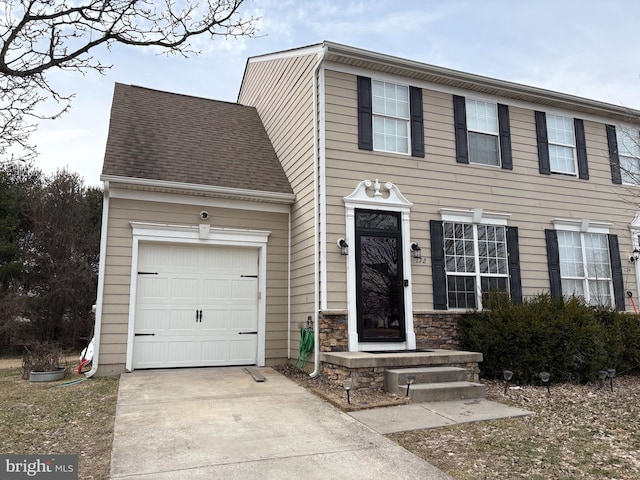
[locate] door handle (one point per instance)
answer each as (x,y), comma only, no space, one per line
(247,333)
(144,334)
(198,316)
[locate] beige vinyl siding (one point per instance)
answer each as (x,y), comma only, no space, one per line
(282,92)
(437,181)
(117,277)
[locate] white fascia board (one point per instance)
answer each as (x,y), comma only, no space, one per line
(316,49)
(259,201)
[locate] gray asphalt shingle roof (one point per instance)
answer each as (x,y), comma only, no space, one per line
(165,136)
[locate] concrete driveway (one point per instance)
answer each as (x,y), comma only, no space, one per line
(211,423)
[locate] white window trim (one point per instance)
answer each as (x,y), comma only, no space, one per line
(202,234)
(572,146)
(624,130)
(369,195)
(393,117)
(475,216)
(483,132)
(584,226)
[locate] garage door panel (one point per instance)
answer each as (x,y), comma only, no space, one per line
(214,352)
(184,289)
(151,320)
(181,321)
(186,279)
(215,289)
(241,351)
(151,288)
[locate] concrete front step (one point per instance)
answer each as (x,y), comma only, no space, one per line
(433,384)
(440,392)
(397,377)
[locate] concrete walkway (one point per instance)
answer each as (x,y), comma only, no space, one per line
(212,423)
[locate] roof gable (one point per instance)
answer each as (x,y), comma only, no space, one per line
(168,137)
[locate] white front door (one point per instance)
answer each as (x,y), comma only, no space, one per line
(195,306)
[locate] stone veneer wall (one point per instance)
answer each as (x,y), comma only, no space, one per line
(373,377)
(432,329)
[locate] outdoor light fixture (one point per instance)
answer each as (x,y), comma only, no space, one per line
(344,246)
(611,372)
(635,255)
(544,376)
(507,374)
(602,374)
(416,251)
(410,379)
(347,383)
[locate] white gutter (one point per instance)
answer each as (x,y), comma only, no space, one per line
(257,195)
(316,295)
(97,328)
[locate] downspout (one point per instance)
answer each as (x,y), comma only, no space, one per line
(100,293)
(289,290)
(316,254)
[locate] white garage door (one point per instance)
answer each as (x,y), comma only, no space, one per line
(195,306)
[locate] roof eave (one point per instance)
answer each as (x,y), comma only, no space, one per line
(377,61)
(197,189)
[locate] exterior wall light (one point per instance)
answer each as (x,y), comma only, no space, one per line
(416,251)
(344,246)
(635,255)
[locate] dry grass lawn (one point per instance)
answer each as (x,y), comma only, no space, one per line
(51,418)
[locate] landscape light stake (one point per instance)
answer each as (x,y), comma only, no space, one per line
(611,372)
(544,376)
(507,374)
(346,383)
(602,374)
(410,379)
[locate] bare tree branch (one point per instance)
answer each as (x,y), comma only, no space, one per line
(38,35)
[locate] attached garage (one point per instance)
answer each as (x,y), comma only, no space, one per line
(195,306)
(195,244)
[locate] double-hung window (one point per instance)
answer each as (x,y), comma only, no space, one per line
(629,155)
(482,132)
(585,268)
(482,127)
(473,253)
(475,261)
(584,262)
(390,116)
(562,146)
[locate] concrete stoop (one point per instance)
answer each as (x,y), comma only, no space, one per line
(433,384)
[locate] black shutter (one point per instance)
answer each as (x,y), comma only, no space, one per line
(513,250)
(417,122)
(543,143)
(365,120)
(614,159)
(505,137)
(438,273)
(616,271)
(553,260)
(581,149)
(460,125)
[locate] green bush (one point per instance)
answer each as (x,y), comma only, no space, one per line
(570,340)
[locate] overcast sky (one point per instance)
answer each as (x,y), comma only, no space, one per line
(587,48)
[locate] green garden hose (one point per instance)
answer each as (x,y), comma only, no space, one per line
(306,347)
